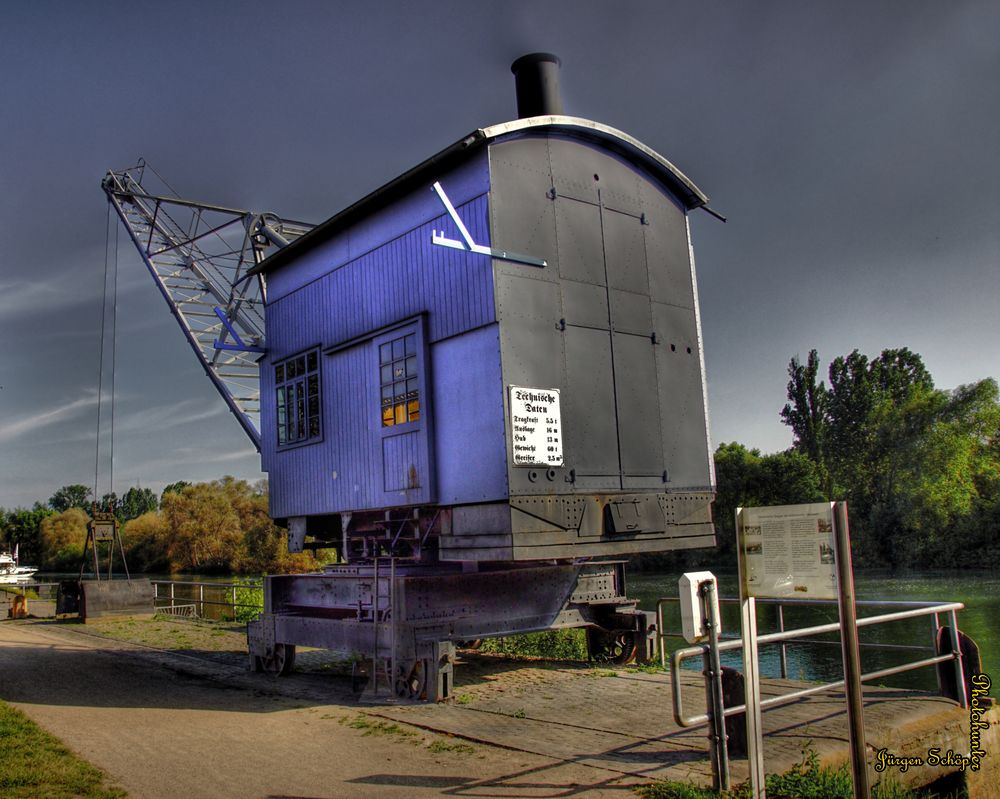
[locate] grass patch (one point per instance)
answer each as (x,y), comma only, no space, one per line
(601,673)
(464,699)
(35,764)
(550,644)
(372,726)
(806,780)
(167,632)
(441,745)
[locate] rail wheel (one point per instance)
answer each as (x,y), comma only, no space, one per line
(410,682)
(612,646)
(281,661)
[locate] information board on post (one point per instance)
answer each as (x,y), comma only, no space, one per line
(787,551)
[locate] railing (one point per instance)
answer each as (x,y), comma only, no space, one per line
(188,598)
(783,637)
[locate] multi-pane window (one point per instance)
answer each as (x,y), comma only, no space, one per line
(296,382)
(398,380)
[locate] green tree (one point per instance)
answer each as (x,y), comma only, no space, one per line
(22,529)
(912,460)
(745,478)
(71,496)
(135,503)
(806,412)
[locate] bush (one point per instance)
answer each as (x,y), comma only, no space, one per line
(252,596)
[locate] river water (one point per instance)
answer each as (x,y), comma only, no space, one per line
(979,591)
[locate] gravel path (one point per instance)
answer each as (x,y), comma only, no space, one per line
(173,725)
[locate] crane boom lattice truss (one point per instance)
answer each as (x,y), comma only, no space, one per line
(199,256)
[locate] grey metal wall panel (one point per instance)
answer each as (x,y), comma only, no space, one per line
(573,169)
(682,410)
(585,305)
(582,549)
(619,240)
(532,347)
(521,208)
(619,184)
(667,253)
(588,407)
(625,252)
(581,248)
(631,313)
(638,406)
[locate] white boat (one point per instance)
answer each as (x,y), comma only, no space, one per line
(11,571)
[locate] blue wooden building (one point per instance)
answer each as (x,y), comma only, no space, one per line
(496,356)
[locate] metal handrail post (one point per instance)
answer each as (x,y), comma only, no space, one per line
(171,596)
(713,679)
(660,635)
(392,625)
(784,651)
(375,631)
(201,600)
(956,648)
(851,652)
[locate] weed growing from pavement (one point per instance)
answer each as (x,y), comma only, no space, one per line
(372,726)
(441,745)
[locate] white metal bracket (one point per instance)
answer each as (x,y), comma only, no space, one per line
(467,243)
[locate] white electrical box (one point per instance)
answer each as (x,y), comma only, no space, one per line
(692,614)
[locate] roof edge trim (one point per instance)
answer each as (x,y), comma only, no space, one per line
(577,127)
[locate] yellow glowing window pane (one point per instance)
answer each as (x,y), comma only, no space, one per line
(387,416)
(400,410)
(413,410)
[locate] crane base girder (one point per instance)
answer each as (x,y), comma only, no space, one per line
(405,618)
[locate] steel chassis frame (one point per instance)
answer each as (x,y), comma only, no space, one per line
(404,618)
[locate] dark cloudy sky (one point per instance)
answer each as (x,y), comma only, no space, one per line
(853,146)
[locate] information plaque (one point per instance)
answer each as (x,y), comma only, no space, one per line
(535,426)
(788,551)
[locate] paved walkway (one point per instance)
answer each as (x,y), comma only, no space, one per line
(624,723)
(198,724)
(167,725)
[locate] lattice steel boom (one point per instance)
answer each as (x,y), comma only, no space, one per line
(199,255)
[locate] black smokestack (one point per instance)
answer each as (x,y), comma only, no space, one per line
(536,79)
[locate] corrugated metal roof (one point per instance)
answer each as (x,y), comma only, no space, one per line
(614,140)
